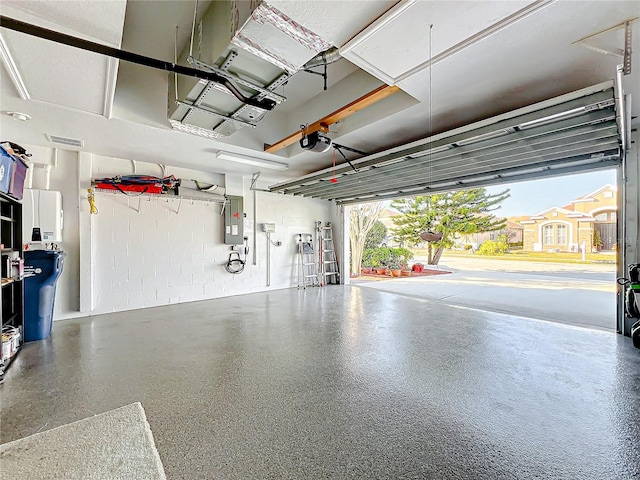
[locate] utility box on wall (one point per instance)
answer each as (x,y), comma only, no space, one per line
(41,216)
(233,221)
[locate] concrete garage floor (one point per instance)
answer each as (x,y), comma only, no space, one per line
(343,382)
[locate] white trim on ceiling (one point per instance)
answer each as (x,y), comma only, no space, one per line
(368,34)
(348,50)
(110,87)
(12,70)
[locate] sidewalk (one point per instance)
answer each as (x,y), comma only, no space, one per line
(583,295)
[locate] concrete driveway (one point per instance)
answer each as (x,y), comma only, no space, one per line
(575,294)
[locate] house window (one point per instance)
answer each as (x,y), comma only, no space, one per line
(547,232)
(601,217)
(561,234)
(612,216)
(608,194)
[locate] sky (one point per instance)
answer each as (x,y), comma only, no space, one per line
(535,196)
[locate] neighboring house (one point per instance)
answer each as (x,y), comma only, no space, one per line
(567,228)
(513,231)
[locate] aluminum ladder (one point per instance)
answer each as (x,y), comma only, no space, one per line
(327,259)
(307,264)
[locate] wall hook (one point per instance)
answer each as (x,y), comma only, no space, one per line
(134,208)
(179,205)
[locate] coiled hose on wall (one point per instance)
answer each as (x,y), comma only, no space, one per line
(235,264)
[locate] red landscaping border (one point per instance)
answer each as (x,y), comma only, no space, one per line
(424,273)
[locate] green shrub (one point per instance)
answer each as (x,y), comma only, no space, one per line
(400,255)
(468,246)
(491,247)
(597,239)
(375,257)
(379,256)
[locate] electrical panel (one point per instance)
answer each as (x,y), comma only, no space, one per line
(233,221)
(41,216)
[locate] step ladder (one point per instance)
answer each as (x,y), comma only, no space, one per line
(307,262)
(327,259)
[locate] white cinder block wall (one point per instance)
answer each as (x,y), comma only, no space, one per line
(152,251)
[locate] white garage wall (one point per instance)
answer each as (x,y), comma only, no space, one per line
(156,256)
(159,257)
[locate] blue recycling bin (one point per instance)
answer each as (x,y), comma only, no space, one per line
(42,268)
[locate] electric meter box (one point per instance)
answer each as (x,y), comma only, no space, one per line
(233,221)
(41,216)
(269,227)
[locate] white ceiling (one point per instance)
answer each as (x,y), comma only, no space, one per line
(396,46)
(62,75)
(524,62)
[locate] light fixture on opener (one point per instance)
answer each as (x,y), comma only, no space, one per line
(257,162)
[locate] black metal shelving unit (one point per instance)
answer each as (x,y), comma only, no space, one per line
(12,311)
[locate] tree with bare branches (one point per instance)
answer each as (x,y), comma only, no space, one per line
(361,220)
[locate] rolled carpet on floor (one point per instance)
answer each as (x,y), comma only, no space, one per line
(113,445)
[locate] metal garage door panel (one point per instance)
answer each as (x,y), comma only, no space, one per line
(574,132)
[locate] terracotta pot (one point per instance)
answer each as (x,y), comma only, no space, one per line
(381,270)
(405,273)
(366,270)
(395,273)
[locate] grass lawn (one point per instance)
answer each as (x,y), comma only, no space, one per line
(519,255)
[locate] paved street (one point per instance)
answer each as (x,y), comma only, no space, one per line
(582,295)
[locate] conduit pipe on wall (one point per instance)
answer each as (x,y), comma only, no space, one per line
(255,228)
(47,171)
(29,180)
(268,259)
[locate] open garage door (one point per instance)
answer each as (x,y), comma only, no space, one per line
(571,133)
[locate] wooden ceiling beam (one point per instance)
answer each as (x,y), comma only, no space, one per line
(322,125)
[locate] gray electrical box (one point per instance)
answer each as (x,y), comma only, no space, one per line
(233,221)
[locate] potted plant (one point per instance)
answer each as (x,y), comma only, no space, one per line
(377,258)
(397,257)
(367,261)
(394,266)
(405,271)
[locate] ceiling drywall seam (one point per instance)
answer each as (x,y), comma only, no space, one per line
(12,70)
